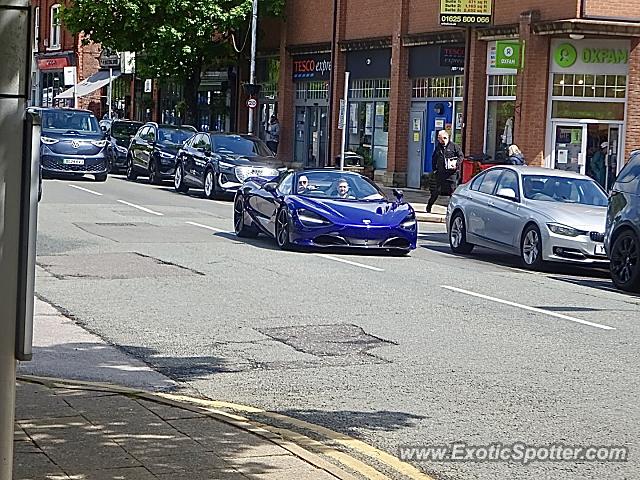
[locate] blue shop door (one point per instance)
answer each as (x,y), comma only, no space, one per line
(439,117)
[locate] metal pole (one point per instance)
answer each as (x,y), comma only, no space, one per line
(346,121)
(465,93)
(109,94)
(15,51)
(252,70)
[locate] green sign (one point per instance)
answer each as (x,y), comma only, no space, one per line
(509,55)
(566,55)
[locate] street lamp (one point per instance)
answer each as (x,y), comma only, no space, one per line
(252,69)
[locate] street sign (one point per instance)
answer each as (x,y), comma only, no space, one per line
(69,76)
(252,103)
(147,85)
(109,59)
(509,54)
(343,114)
(465,13)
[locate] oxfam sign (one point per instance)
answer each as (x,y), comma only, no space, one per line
(593,57)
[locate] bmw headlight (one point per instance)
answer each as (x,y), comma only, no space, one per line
(48,140)
(242,173)
(565,230)
(409,223)
(99,143)
(311,219)
(121,149)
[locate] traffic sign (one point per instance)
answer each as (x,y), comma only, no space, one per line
(109,59)
(343,114)
(252,103)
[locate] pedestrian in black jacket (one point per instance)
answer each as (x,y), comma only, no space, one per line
(515,156)
(445,161)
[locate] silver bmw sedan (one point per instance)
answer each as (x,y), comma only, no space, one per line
(538,214)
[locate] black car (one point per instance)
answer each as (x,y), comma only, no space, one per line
(119,137)
(153,150)
(219,163)
(622,237)
(72,143)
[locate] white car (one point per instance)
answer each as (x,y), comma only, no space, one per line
(538,214)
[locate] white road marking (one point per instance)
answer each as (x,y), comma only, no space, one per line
(531,309)
(214,229)
(349,262)
(220,202)
(85,190)
(141,208)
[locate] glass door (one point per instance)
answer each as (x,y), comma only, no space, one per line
(569,148)
(612,156)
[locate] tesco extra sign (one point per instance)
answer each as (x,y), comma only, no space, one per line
(312,67)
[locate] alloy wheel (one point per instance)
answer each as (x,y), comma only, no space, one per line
(282,229)
(625,259)
(457,231)
(238,214)
(530,247)
(177,179)
(208,183)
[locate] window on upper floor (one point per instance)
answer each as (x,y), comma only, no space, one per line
(56,28)
(36,28)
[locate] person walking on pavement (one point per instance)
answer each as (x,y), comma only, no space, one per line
(445,160)
(273,134)
(515,156)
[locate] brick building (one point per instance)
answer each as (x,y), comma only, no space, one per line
(54,48)
(577,91)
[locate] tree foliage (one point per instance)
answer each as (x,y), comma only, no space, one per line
(176,38)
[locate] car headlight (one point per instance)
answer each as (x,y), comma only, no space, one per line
(166,155)
(48,140)
(99,143)
(121,149)
(565,230)
(311,219)
(225,166)
(242,173)
(409,223)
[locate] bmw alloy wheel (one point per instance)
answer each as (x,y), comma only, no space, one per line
(532,247)
(458,235)
(457,230)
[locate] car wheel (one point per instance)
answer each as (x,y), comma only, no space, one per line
(131,172)
(458,235)
(625,262)
(211,190)
(241,228)
(178,180)
(101,177)
(283,230)
(531,248)
(154,173)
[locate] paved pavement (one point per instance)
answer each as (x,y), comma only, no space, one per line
(65,431)
(388,351)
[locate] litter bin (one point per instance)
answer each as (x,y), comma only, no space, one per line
(351,159)
(474,164)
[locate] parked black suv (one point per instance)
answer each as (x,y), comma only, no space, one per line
(622,237)
(220,162)
(153,150)
(119,136)
(72,143)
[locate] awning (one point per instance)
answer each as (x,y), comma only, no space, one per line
(91,84)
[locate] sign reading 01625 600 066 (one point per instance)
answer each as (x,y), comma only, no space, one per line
(466,13)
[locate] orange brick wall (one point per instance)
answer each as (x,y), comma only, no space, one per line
(613,9)
(309,21)
(370,18)
(632,140)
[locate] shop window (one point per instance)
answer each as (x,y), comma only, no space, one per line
(54,38)
(502,86)
(594,110)
(377,88)
(500,127)
(368,131)
(589,86)
(36,29)
(312,90)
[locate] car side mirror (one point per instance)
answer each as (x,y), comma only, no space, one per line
(399,194)
(508,194)
(271,187)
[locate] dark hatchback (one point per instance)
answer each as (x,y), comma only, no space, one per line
(219,163)
(153,151)
(72,143)
(622,237)
(119,137)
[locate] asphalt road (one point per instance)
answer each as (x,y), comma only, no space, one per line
(391,350)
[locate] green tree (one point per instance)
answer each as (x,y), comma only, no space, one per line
(174,38)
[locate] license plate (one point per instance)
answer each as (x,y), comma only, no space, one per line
(600,250)
(73,161)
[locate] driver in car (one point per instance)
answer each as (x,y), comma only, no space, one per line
(343,189)
(303,185)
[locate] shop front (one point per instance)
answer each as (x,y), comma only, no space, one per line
(268,74)
(311,75)
(587,106)
(368,110)
(51,77)
(437,85)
